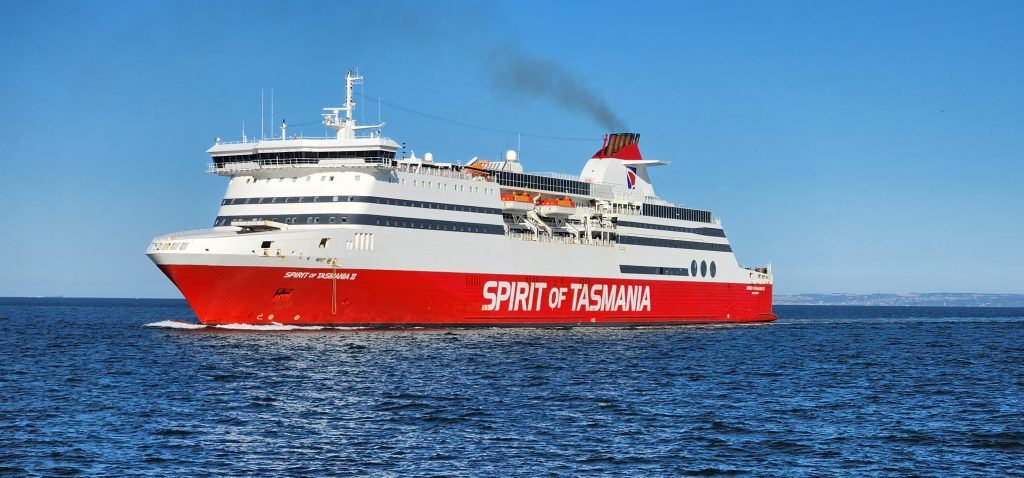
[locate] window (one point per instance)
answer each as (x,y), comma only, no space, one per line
(266,244)
(335,198)
(332,178)
(323,242)
(331,220)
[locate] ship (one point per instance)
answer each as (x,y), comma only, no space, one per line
(349,230)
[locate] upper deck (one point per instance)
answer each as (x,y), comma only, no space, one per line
(615,178)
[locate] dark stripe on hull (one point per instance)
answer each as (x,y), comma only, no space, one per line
(673,243)
(704,231)
(371,220)
(358,199)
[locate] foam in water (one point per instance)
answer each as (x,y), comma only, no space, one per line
(271,327)
(267,327)
(176,324)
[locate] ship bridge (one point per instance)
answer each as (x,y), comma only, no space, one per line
(352,145)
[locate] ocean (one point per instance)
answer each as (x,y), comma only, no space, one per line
(88,389)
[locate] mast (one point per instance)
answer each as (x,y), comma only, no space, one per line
(346,128)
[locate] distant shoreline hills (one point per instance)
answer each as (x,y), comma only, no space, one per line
(931,299)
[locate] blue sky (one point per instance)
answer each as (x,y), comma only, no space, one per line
(858,146)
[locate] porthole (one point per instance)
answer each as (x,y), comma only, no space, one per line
(693,268)
(703,268)
(713,269)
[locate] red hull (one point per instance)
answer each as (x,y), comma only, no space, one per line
(263,295)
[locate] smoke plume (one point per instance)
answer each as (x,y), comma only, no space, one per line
(515,71)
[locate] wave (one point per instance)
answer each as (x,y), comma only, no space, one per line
(176,324)
(267,327)
(271,327)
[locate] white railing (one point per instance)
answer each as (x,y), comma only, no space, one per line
(190,232)
(434,171)
(254,141)
(529,236)
(569,177)
(244,166)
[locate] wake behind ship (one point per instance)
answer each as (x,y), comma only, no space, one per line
(338,231)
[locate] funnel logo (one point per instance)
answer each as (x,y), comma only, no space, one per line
(630,177)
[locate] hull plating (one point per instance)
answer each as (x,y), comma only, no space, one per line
(263,295)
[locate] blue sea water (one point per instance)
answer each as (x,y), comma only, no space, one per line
(86,388)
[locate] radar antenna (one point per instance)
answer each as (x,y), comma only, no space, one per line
(346,128)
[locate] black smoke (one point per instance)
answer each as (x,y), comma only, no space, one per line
(513,70)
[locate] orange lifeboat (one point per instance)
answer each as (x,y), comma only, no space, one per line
(552,207)
(516,203)
(478,168)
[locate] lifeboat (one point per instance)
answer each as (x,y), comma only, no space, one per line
(556,207)
(516,203)
(477,168)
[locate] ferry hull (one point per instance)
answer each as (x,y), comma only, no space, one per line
(386,298)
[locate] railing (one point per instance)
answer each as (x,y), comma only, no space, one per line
(529,236)
(569,177)
(190,232)
(244,166)
(434,171)
(255,141)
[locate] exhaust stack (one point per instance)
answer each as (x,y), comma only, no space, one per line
(620,146)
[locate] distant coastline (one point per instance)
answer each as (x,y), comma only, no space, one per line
(932,299)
